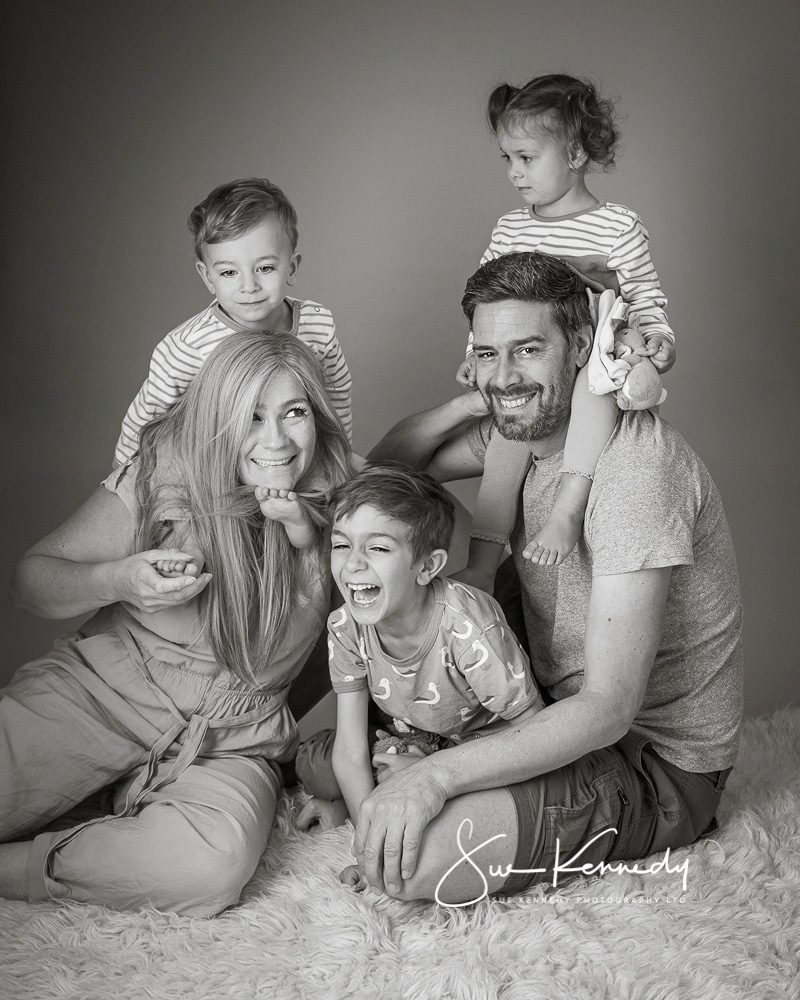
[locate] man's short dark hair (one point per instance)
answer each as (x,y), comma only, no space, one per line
(413,498)
(531,277)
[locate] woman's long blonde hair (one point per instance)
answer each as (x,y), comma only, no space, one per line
(189,460)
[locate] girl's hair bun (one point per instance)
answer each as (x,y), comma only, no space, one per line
(499,100)
(569,108)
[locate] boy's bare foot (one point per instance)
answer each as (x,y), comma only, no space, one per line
(324,813)
(353,876)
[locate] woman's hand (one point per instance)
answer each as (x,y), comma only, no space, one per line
(136,580)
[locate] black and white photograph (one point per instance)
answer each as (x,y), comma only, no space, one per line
(400,501)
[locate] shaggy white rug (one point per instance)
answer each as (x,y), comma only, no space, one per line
(298,933)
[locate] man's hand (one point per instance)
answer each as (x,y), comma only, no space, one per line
(661,351)
(476,404)
(466,372)
(391,822)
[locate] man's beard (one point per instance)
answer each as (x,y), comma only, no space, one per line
(552,405)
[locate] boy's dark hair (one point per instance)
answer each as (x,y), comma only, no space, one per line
(531,277)
(568,108)
(404,494)
(233,209)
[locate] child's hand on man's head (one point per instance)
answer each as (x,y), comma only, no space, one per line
(661,351)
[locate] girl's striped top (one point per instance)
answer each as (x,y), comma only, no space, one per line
(609,238)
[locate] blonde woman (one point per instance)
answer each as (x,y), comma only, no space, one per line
(205,557)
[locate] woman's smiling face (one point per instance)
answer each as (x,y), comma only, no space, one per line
(279,447)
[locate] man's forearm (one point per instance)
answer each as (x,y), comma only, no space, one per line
(556,736)
(415,439)
(623,630)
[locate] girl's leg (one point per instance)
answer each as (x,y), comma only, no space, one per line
(191,849)
(506,464)
(591,424)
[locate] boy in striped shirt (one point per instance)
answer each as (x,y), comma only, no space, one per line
(245,240)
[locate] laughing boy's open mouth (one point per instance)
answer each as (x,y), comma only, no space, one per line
(363,594)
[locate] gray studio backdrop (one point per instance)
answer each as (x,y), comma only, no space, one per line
(119,117)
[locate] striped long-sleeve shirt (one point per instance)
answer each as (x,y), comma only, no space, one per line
(608,238)
(180,356)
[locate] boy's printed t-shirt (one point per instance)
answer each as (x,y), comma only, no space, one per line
(468,671)
(180,355)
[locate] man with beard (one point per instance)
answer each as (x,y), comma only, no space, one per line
(635,638)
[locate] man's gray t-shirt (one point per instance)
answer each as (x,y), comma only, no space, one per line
(652,504)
